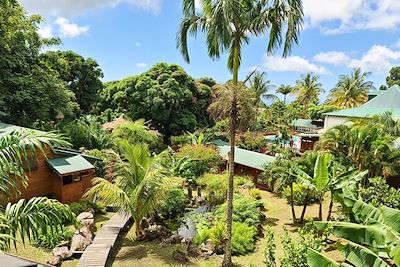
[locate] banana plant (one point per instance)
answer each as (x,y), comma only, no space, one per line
(371,239)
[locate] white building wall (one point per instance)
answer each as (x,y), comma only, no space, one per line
(332,121)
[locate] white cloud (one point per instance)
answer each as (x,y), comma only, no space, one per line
(137,44)
(141,65)
(69,30)
(198,4)
(45,31)
(349,15)
(291,64)
(377,59)
(67,8)
(335,58)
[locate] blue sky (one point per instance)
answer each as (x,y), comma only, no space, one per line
(127,37)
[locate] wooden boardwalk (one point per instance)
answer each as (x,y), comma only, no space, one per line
(96,254)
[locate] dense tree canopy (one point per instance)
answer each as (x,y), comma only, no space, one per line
(81,75)
(165,95)
(29,90)
(394,77)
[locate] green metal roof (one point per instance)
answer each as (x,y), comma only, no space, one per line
(244,157)
(304,123)
(66,165)
(73,152)
(387,101)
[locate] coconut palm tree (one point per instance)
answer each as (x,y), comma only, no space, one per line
(18,149)
(307,90)
(228,25)
(284,90)
(261,86)
(141,182)
(351,90)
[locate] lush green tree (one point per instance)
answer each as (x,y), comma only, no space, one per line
(81,75)
(393,77)
(284,90)
(165,95)
(228,26)
(136,132)
(141,183)
(29,90)
(351,90)
(307,90)
(25,218)
(261,86)
(316,112)
(246,109)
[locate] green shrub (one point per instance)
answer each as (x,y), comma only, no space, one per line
(245,210)
(299,194)
(179,140)
(85,204)
(243,236)
(174,204)
(251,141)
(295,249)
(203,158)
(51,238)
(255,193)
(270,247)
(216,185)
(380,193)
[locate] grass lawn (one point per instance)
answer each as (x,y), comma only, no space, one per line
(148,254)
(41,255)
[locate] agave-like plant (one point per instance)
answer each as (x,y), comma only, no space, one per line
(26,217)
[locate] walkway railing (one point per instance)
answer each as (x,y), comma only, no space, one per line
(96,254)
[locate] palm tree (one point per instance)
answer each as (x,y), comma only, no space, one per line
(284,90)
(351,90)
(17,150)
(141,182)
(261,86)
(227,25)
(307,90)
(221,107)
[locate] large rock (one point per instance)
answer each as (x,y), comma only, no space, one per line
(194,251)
(81,239)
(180,256)
(62,252)
(154,232)
(173,239)
(85,218)
(54,261)
(208,248)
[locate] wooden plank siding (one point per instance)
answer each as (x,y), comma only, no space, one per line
(43,181)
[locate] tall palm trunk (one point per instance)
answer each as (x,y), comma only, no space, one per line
(292,203)
(227,262)
(320,209)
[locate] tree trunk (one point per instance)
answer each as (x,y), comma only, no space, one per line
(227,262)
(284,100)
(190,192)
(199,190)
(138,230)
(320,210)
(330,208)
(305,204)
(292,203)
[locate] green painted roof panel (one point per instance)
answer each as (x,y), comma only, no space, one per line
(303,123)
(244,157)
(388,101)
(65,165)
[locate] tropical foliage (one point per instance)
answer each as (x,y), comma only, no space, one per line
(141,183)
(351,91)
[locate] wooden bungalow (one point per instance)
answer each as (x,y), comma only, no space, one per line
(63,174)
(246,162)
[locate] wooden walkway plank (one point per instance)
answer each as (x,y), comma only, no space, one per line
(96,254)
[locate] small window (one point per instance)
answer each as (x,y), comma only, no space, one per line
(77,177)
(85,174)
(67,179)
